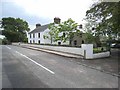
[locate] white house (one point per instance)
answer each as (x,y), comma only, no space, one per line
(37,35)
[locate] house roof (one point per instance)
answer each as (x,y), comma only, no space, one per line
(39,29)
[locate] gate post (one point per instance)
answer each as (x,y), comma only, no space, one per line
(88,51)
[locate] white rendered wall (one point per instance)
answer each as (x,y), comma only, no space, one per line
(36,38)
(42,40)
(88,50)
(73,50)
(88,54)
(30,38)
(102,54)
(45,41)
(48,41)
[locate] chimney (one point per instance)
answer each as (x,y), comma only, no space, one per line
(57,20)
(38,25)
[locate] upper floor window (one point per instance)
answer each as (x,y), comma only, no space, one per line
(33,35)
(39,35)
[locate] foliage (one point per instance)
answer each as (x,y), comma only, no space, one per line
(14,29)
(63,31)
(68,27)
(4,41)
(99,49)
(89,38)
(104,17)
(53,33)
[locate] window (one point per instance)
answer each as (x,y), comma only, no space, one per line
(33,35)
(39,41)
(59,43)
(75,42)
(38,35)
(30,35)
(82,41)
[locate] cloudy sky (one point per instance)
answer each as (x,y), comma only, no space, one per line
(43,11)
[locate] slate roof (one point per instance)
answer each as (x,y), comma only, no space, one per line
(39,29)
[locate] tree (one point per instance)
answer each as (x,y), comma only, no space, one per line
(90,36)
(53,33)
(104,17)
(14,29)
(63,31)
(5,41)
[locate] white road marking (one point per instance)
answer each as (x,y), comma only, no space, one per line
(8,47)
(35,62)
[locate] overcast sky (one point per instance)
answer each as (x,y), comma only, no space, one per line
(44,11)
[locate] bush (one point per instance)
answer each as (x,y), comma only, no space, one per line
(100,49)
(5,41)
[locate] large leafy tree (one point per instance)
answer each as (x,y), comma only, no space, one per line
(63,31)
(53,33)
(14,29)
(104,17)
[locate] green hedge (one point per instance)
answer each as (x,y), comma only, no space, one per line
(100,49)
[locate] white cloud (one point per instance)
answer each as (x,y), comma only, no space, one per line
(32,27)
(64,9)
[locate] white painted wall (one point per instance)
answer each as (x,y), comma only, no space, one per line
(102,54)
(72,50)
(88,50)
(36,39)
(45,41)
(42,40)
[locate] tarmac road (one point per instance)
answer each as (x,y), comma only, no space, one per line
(25,68)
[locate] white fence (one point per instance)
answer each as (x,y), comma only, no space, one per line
(72,50)
(86,50)
(101,55)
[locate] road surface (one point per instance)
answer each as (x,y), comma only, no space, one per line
(25,68)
